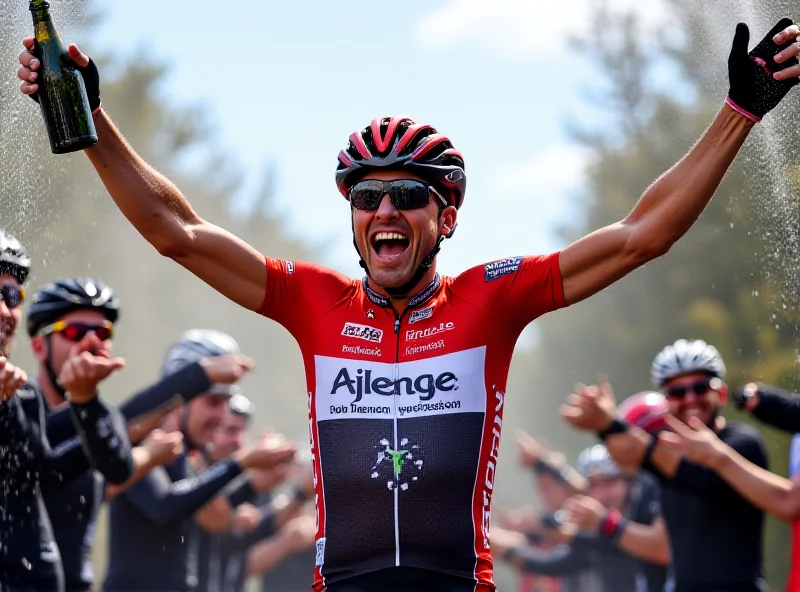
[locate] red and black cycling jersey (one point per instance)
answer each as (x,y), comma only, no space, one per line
(406,410)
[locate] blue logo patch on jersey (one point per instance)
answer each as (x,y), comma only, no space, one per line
(420,315)
(501,268)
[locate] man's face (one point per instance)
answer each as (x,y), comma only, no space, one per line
(206,414)
(230,436)
(9,317)
(58,347)
(695,395)
(609,491)
(393,262)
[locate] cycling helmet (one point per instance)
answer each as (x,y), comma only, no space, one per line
(686,357)
(14,259)
(196,344)
(241,406)
(645,410)
(65,295)
(401,143)
(597,462)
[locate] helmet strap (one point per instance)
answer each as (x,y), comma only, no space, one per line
(51,374)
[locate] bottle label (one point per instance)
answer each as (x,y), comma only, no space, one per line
(41,32)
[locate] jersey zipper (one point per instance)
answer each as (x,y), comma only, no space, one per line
(395,443)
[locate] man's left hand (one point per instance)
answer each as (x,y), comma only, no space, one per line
(759,79)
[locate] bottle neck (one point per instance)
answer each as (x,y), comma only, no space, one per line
(43,29)
(40,10)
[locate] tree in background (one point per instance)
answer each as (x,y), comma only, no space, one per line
(731,280)
(60,210)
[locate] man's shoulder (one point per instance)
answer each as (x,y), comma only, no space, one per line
(735,430)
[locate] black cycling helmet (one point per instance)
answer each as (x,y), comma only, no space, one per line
(66,295)
(14,259)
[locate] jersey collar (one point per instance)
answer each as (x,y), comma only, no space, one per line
(420,298)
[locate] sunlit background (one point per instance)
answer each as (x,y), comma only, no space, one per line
(565,112)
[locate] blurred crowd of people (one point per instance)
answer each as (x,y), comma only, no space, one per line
(194,502)
(672,497)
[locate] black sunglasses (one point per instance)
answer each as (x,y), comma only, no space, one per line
(700,388)
(12,295)
(406,194)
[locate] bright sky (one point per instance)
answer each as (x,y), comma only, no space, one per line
(288,82)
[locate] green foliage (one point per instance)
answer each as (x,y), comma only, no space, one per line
(731,281)
(60,210)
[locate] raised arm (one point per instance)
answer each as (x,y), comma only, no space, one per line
(157,209)
(673,203)
(773,494)
(165,501)
(663,215)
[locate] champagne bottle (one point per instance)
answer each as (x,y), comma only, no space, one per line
(62,93)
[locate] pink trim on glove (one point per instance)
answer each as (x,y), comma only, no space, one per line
(740,111)
(99,108)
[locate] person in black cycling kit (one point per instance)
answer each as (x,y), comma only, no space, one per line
(595,553)
(770,492)
(221,553)
(29,557)
(148,523)
(637,530)
(715,534)
(60,314)
(405,363)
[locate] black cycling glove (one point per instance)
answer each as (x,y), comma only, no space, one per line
(753,91)
(91,80)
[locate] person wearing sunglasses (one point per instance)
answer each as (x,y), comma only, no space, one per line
(15,266)
(405,362)
(772,493)
(63,313)
(715,533)
(29,464)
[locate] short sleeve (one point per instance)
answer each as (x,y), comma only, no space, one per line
(298,293)
(518,289)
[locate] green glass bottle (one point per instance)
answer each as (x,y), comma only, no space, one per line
(62,93)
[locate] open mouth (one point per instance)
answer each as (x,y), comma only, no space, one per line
(389,245)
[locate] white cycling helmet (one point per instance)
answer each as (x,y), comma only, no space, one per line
(196,344)
(685,357)
(597,462)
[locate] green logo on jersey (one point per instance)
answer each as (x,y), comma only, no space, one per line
(397,459)
(397,468)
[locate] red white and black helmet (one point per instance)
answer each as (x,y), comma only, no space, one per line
(400,143)
(645,410)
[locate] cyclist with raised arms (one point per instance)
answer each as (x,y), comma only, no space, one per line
(406,370)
